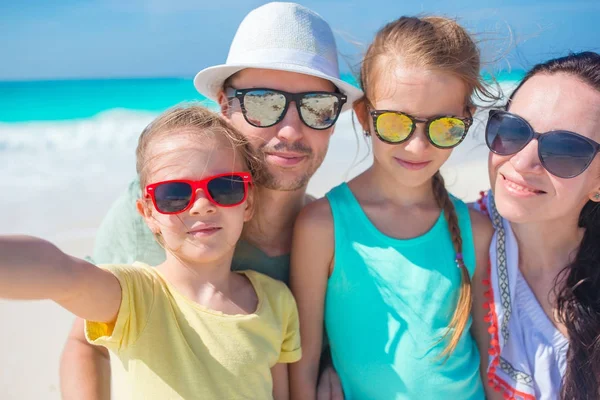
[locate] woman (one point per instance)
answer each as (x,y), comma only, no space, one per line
(537,313)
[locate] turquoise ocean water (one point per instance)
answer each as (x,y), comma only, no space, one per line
(70,145)
(79,99)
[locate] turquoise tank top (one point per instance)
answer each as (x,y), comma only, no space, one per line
(388,302)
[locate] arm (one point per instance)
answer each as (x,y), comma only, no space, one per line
(482,235)
(312,257)
(84,368)
(32,268)
(330,386)
(122,238)
(281,387)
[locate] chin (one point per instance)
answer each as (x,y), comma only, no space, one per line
(415,179)
(514,210)
(285,180)
(513,213)
(202,257)
(203,253)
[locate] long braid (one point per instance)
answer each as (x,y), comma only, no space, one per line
(463,307)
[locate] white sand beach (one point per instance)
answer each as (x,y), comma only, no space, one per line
(68,212)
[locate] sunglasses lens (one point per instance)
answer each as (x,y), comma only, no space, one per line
(447,131)
(506,134)
(319,110)
(564,154)
(263,108)
(172,197)
(393,127)
(227,190)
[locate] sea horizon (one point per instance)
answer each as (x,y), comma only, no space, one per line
(23,101)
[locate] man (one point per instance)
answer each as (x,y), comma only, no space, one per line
(280,50)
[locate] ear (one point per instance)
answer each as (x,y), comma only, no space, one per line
(249,210)
(595,195)
(362,114)
(145,211)
(224,104)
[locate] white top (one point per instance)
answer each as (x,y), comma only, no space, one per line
(527,352)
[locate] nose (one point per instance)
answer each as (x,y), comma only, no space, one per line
(202,205)
(418,142)
(527,160)
(290,128)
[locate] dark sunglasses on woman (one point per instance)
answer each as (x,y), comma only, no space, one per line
(563,153)
(264,108)
(177,196)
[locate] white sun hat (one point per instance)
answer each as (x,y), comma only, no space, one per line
(284,37)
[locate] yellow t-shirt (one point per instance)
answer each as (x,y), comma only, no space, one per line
(174,348)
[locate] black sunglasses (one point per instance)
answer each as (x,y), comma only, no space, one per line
(564,154)
(264,108)
(444,132)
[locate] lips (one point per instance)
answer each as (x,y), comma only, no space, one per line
(204,230)
(285,159)
(520,188)
(412,165)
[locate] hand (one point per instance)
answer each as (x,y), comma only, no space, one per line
(330,386)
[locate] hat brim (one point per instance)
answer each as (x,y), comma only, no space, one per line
(210,81)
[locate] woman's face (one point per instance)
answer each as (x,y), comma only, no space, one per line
(524,190)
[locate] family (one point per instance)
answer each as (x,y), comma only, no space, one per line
(216,276)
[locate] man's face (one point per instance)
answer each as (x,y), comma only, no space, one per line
(292,151)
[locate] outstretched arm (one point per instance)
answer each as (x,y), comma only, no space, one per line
(32,268)
(122,238)
(312,256)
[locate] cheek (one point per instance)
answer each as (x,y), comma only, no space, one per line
(319,140)
(575,191)
(440,155)
(494,163)
(258,136)
(170,225)
(234,218)
(380,148)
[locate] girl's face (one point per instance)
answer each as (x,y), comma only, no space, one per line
(423,94)
(205,232)
(524,190)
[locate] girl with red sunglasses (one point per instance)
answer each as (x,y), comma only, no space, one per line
(189,328)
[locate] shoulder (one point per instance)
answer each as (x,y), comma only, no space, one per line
(135,273)
(480,222)
(264,281)
(316,215)
(483,230)
(309,198)
(273,290)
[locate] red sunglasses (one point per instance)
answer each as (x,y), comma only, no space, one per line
(177,196)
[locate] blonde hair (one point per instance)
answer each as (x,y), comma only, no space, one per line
(193,120)
(434,43)
(438,44)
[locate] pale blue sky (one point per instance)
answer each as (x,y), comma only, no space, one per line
(46,39)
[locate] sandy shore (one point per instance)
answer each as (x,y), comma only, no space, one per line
(33,333)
